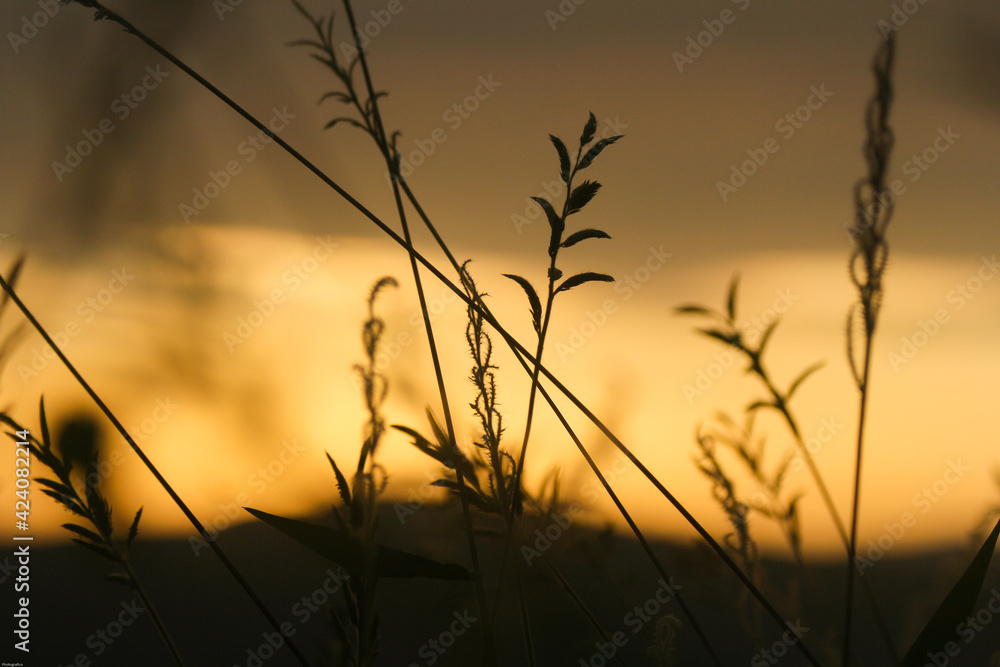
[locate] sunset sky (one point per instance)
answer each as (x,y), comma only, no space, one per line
(475,90)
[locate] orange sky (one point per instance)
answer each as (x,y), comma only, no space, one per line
(286,394)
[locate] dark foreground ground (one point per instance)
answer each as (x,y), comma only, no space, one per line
(79,619)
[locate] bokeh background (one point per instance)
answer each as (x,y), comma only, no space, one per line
(246,423)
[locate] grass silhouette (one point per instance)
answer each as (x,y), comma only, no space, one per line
(499,515)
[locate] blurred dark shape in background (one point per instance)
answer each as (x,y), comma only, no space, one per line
(78,444)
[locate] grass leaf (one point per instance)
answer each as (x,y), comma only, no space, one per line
(533,300)
(556,224)
(731,299)
(423,444)
(583,234)
(588,130)
(955,607)
(58,487)
(563,157)
(100,550)
(65,501)
(84,532)
(133,530)
(728,339)
(119,578)
(342,487)
(691,309)
(596,150)
(581,278)
(343,549)
(582,194)
(806,373)
(46,442)
(766,336)
(336,545)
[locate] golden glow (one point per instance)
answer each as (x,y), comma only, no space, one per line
(249,426)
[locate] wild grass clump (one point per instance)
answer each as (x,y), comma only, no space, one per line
(77,491)
(487,483)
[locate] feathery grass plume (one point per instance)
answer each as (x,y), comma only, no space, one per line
(724,492)
(94,509)
(873,211)
(739,541)
(375,384)
(498,461)
(324,51)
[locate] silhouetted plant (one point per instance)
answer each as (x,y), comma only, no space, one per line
(91,506)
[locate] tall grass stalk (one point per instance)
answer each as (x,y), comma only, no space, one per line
(867,266)
(373,125)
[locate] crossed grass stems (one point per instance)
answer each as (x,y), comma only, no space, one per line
(491,480)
